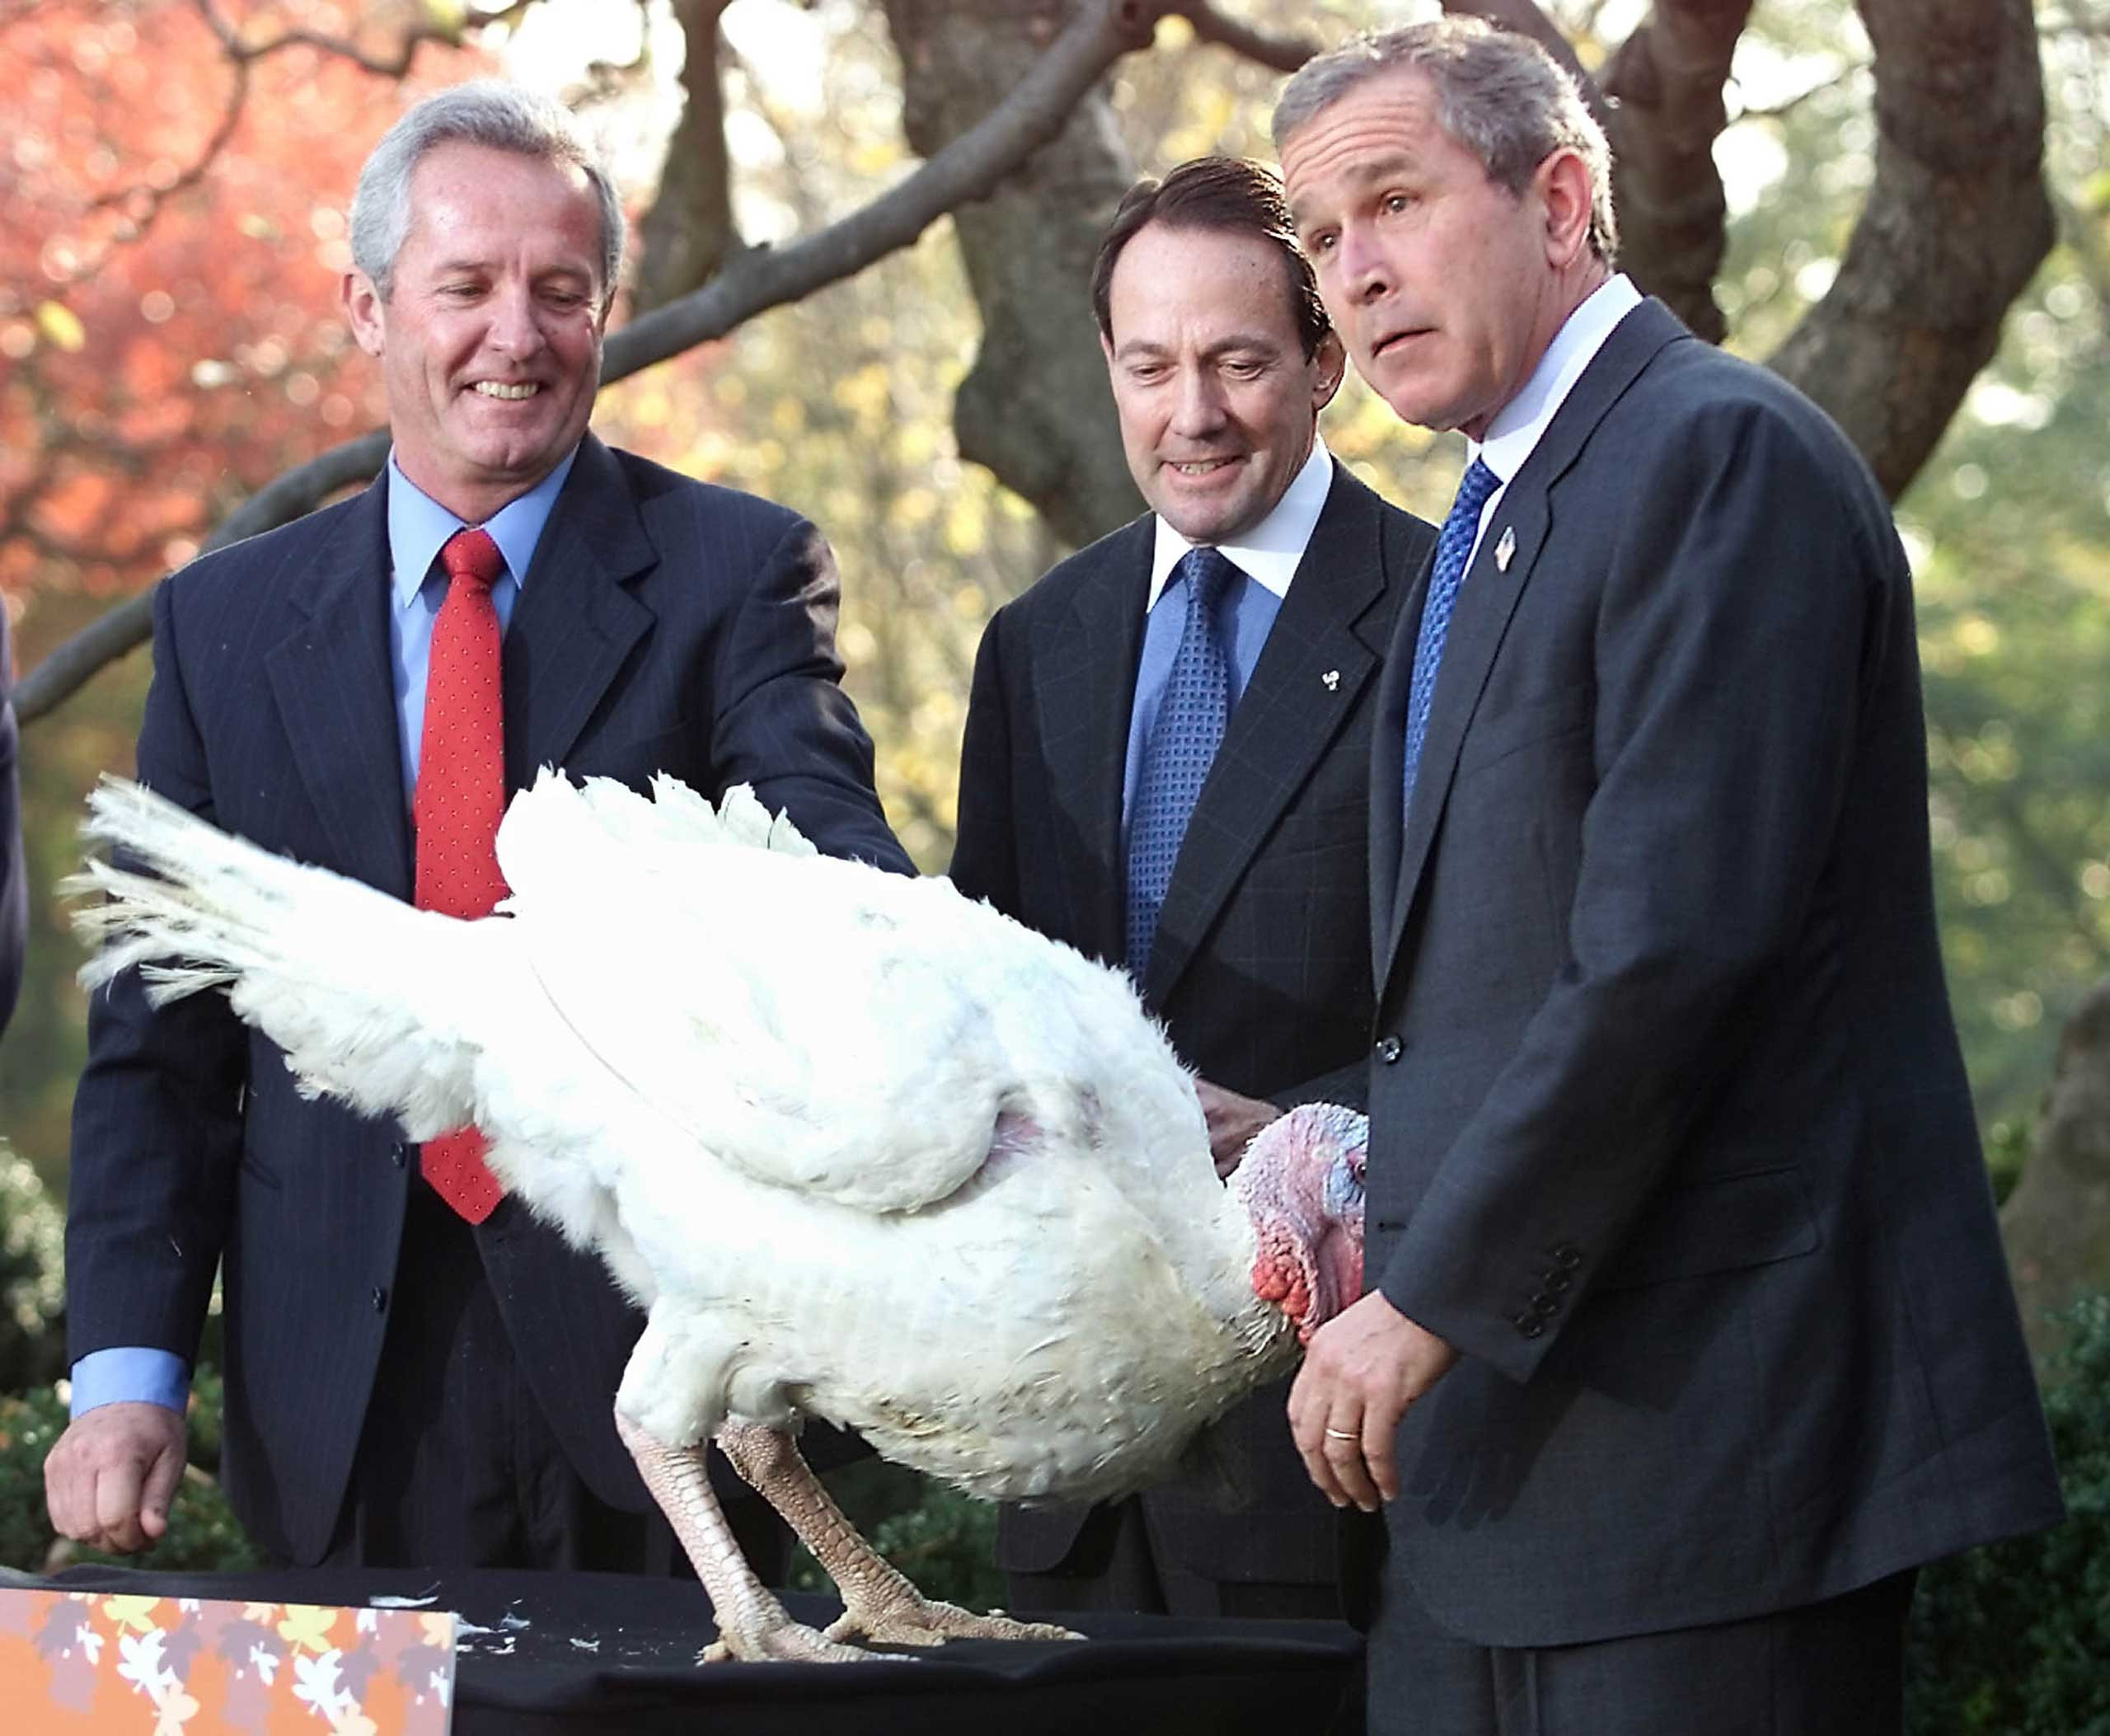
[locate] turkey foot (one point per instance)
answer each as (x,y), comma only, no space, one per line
(752,1624)
(879,1603)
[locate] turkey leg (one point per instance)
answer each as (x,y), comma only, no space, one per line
(752,1624)
(879,1603)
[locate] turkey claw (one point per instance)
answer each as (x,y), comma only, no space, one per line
(932,1623)
(790,1642)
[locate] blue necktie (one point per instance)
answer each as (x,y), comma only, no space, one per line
(1452,546)
(1183,744)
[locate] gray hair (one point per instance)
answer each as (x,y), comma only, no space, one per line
(1498,94)
(487,112)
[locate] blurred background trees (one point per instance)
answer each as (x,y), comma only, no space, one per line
(1901,204)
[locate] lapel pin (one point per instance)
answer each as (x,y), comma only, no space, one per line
(1332,677)
(1505,549)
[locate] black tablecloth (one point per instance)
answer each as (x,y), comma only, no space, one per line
(568,1654)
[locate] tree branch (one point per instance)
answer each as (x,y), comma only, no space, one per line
(1284,53)
(1955,224)
(757,280)
(688,231)
(1667,80)
(395,66)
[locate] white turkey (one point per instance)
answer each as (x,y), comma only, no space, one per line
(861,1149)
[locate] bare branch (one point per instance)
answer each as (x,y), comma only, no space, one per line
(688,231)
(1667,80)
(1955,224)
(397,65)
(1284,53)
(757,280)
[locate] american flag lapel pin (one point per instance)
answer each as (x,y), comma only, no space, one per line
(1332,679)
(1505,549)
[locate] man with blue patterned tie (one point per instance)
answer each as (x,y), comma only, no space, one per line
(1164,767)
(418,1372)
(1688,1336)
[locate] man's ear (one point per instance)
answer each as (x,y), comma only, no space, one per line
(365,313)
(1563,181)
(1331,360)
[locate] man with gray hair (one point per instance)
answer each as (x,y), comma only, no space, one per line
(1688,1336)
(418,1372)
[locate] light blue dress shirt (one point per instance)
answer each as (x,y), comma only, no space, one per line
(418,527)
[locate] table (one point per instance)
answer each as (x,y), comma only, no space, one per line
(571,1653)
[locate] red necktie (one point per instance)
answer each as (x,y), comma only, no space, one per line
(460,796)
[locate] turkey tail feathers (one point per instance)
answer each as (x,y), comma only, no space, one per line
(353,985)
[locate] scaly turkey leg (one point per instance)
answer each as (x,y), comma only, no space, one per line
(752,1624)
(879,1603)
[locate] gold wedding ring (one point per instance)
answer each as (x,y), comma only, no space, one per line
(1341,1434)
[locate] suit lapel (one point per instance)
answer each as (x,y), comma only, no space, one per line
(1388,753)
(1320,653)
(331,679)
(1087,688)
(1486,600)
(576,623)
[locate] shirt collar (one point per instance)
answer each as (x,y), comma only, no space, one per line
(1520,423)
(419,526)
(1270,552)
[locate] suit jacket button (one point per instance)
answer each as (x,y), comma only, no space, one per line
(1389,1049)
(380,1300)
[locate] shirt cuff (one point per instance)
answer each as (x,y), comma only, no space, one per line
(130,1374)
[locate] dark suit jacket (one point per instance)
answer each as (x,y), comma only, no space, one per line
(1675,1143)
(14,882)
(1261,969)
(663,625)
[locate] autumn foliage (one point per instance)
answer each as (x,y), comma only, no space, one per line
(170,256)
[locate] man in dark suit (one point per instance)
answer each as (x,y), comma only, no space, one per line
(1683,1264)
(1253,946)
(14,888)
(417,1372)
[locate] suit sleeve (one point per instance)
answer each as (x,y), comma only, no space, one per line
(985,848)
(157,1115)
(1741,622)
(784,724)
(14,886)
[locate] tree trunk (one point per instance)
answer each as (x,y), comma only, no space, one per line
(1035,407)
(1956,223)
(2056,1223)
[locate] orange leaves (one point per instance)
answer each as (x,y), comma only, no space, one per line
(172,243)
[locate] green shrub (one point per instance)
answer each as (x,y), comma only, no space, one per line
(2013,1639)
(202,1532)
(32,1277)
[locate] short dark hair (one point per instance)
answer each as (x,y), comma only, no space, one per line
(1226,194)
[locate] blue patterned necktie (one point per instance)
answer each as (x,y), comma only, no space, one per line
(1452,546)
(1183,744)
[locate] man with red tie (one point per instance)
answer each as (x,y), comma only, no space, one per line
(417,1372)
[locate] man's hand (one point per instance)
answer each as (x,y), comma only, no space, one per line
(1233,1121)
(1361,1370)
(110,1479)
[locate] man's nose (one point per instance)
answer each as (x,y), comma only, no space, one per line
(514,328)
(1364,273)
(1199,408)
